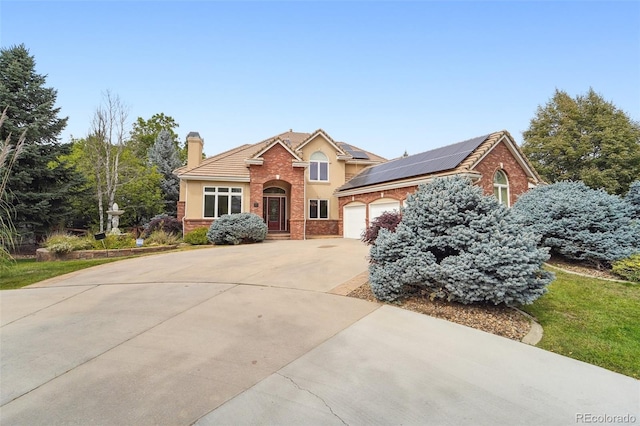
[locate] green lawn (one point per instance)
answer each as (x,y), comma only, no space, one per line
(592,320)
(28,271)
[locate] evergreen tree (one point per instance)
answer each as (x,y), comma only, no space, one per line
(40,186)
(578,222)
(584,138)
(145,132)
(455,243)
(164,155)
(633,198)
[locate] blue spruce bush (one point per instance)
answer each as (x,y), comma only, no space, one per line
(633,198)
(237,228)
(458,245)
(580,223)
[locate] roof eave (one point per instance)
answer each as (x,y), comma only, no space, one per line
(186,177)
(417,180)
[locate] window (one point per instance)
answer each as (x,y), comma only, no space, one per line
(222,200)
(319,167)
(318,209)
(501,187)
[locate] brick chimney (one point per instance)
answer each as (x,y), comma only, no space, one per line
(194,150)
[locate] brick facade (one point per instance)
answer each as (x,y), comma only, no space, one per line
(181,210)
(277,166)
(501,158)
(191,224)
(323,227)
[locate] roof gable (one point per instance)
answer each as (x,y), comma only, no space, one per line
(270,145)
(326,137)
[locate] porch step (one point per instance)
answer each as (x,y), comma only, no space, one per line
(279,236)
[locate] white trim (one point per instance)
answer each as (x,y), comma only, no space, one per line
(215,178)
(319,200)
(254,161)
(272,144)
(304,164)
(328,179)
(325,137)
(359,161)
(215,194)
(501,186)
(474,176)
(512,147)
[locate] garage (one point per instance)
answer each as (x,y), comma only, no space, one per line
(378,207)
(354,220)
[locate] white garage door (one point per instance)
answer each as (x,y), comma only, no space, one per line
(376,209)
(354,220)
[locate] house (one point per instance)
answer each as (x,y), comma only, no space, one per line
(307,184)
(288,179)
(494,162)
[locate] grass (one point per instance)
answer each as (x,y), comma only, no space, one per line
(28,271)
(591,320)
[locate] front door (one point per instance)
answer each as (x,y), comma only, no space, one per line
(275,212)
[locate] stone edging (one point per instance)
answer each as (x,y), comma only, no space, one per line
(44,255)
(534,335)
(585,275)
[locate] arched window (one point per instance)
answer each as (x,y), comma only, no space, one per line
(501,187)
(319,167)
(274,190)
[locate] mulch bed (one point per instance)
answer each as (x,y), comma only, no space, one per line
(499,320)
(582,268)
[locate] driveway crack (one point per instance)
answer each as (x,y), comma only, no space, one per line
(316,395)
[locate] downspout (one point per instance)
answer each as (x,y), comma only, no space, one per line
(304,194)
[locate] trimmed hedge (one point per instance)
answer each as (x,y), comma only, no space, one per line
(237,228)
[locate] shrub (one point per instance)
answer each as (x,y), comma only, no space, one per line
(459,245)
(387,220)
(162,238)
(168,224)
(633,198)
(628,268)
(197,236)
(237,228)
(114,242)
(579,223)
(65,243)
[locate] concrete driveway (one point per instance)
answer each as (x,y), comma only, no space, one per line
(253,335)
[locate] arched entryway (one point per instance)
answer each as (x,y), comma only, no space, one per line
(275,207)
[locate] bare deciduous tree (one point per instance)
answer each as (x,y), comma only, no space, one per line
(105,145)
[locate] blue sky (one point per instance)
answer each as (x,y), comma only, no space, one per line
(385,76)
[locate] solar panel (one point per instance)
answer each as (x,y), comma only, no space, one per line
(436,160)
(355,153)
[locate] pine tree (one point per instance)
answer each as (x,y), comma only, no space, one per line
(40,186)
(164,155)
(455,243)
